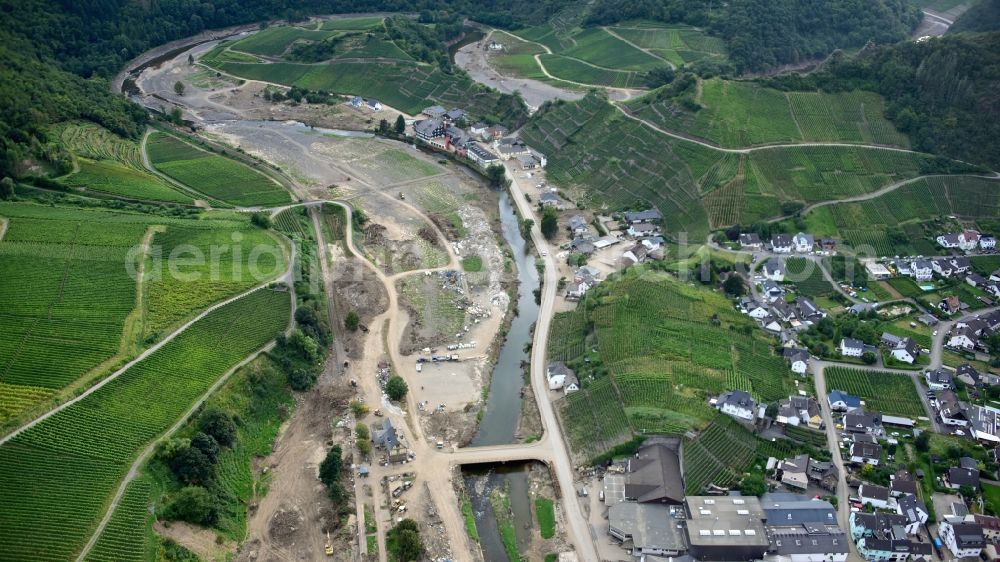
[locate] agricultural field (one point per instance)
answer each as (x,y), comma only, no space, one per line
(214,175)
(910,208)
(234,256)
(68,298)
(127,537)
(884,392)
(808,278)
(575,70)
(360,24)
(110,164)
(662,350)
(57,477)
(739,114)
(722,453)
(678,44)
(642,166)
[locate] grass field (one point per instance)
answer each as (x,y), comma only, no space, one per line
(110,164)
(883,392)
(546,513)
(212,174)
(56,478)
(737,114)
(659,357)
(910,208)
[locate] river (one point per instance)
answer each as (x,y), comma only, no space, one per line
(503,406)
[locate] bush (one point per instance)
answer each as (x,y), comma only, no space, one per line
(330,472)
(191,466)
(352,321)
(301,379)
(550,223)
(207,445)
(193,504)
(403,541)
(261,220)
(358,408)
(869,358)
(219,425)
(396,388)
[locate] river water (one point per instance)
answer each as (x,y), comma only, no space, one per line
(503,406)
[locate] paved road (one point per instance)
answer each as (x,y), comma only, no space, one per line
(833,442)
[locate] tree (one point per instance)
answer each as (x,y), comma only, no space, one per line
(261,220)
(207,445)
(967,492)
(176,117)
(404,541)
(191,466)
(383,127)
(331,467)
(550,223)
(396,388)
(364,439)
(301,379)
(526,226)
(352,321)
(7,188)
(753,485)
(358,408)
(400,125)
(869,358)
(193,504)
(168,448)
(772,410)
(734,285)
(496,174)
(923,442)
(219,425)
(179,88)
(190,59)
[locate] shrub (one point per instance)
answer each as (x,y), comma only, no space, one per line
(396,388)
(219,425)
(193,504)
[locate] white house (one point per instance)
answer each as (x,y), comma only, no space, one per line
(964,540)
(850,347)
(781,244)
(963,338)
(557,373)
(758,312)
(642,229)
(738,404)
(987,242)
(803,242)
(866,453)
(875,496)
(750,241)
(914,510)
(357,102)
(965,241)
(798,360)
(906,351)
(374,105)
(572,385)
(938,379)
(922,270)
(774,270)
(942,267)
(841,401)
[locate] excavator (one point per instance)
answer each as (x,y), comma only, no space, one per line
(329,545)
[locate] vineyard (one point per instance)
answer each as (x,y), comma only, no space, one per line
(722,453)
(56,477)
(667,348)
(274,41)
(883,392)
(214,175)
(679,45)
(864,225)
(125,539)
(808,277)
(199,263)
(739,114)
(111,164)
(640,166)
(67,294)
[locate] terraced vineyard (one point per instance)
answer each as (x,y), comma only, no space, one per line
(67,294)
(126,538)
(680,45)
(110,164)
(740,114)
(214,175)
(808,277)
(667,348)
(56,477)
(883,392)
(866,223)
(722,453)
(641,165)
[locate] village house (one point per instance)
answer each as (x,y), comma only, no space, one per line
(902,483)
(478,129)
(577,224)
(384,436)
(808,311)
(864,422)
(953,411)
(750,241)
(987,242)
(990,525)
(828,244)
(798,359)
(915,512)
(374,105)
(775,270)
(799,410)
(738,404)
(942,267)
(803,242)
(877,271)
(975,280)
(357,102)
(850,347)
(454,115)
(882,537)
(875,496)
(509,148)
(771,291)
(793,472)
(968,374)
(557,373)
(781,244)
(965,241)
(923,270)
(963,338)
(964,540)
(959,476)
(938,379)
(434,111)
(649,215)
(905,351)
(429,129)
(950,305)
(865,453)
(825,474)
(636,254)
(841,401)
(480,155)
(758,311)
(641,229)
(550,199)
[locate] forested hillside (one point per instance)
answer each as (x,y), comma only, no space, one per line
(983,16)
(941,92)
(762,34)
